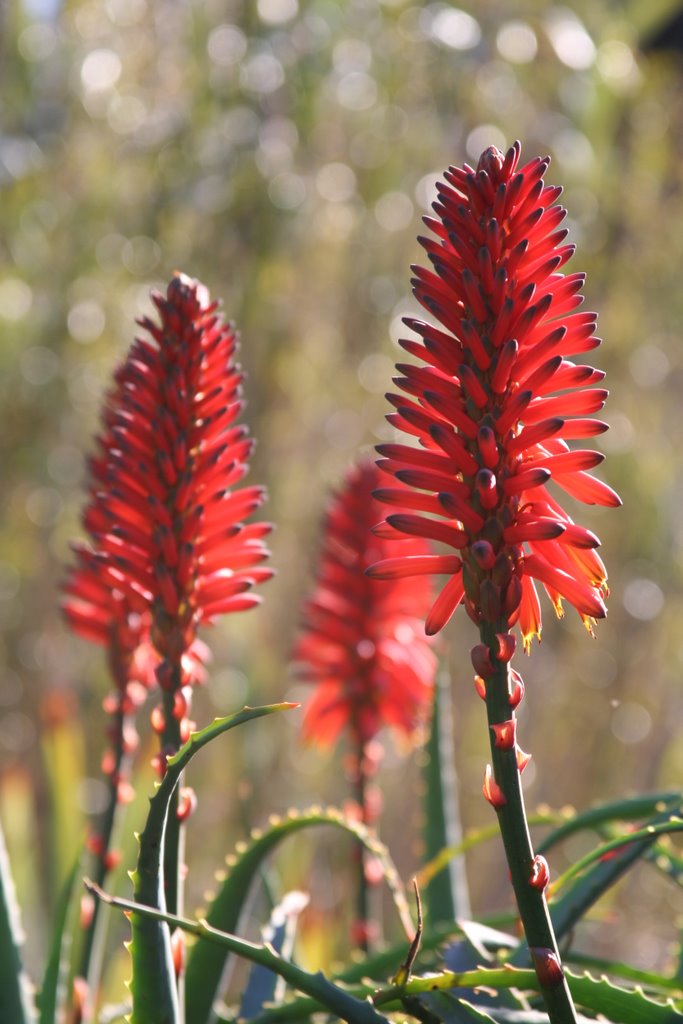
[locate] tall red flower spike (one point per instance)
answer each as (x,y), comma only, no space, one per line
(169,549)
(363,645)
(495,403)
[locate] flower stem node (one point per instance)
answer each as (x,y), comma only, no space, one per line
(547,967)
(504,734)
(517,692)
(540,873)
(492,791)
(506,646)
(481,661)
(522,759)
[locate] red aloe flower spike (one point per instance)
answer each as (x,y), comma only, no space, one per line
(165,512)
(165,517)
(362,643)
(498,395)
(492,404)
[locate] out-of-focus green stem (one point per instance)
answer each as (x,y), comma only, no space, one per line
(512,819)
(362,893)
(92,948)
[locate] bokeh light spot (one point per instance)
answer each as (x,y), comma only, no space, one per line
(451,27)
(336,182)
(357,91)
(263,73)
(140,254)
(516,42)
(394,211)
(374,373)
(569,39)
(226,45)
(86,321)
(38,365)
(126,12)
(37,42)
(631,722)
(287,191)
(483,136)
(100,70)
(44,506)
(643,599)
(277,12)
(649,366)
(16,299)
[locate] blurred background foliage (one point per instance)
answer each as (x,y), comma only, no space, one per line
(283,151)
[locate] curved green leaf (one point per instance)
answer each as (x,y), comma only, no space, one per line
(474,838)
(629,809)
(206,962)
(56,971)
(597,995)
(153,987)
(16,1002)
(324,994)
(601,874)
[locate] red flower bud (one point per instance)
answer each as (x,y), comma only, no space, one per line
(504,734)
(481,661)
(547,967)
(492,791)
(506,646)
(517,689)
(540,873)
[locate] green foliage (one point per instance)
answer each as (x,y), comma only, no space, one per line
(153,985)
(206,963)
(16,1003)
(52,996)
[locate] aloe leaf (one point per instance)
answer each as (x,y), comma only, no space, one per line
(629,809)
(615,858)
(263,985)
(597,995)
(650,980)
(16,998)
(473,839)
(53,989)
(325,995)
(153,987)
(447,1008)
(447,894)
(206,962)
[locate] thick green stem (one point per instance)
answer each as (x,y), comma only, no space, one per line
(531,902)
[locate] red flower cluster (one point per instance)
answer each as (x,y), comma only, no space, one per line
(168,547)
(496,404)
(363,644)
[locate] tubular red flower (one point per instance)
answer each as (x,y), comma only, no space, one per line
(362,643)
(165,514)
(498,396)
